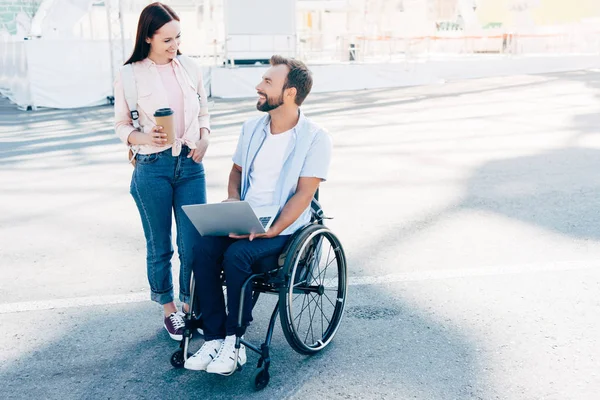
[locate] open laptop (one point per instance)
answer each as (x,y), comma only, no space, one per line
(238,217)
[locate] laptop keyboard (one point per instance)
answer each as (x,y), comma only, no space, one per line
(264,221)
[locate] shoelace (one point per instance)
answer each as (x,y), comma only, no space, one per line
(227,348)
(177,321)
(206,348)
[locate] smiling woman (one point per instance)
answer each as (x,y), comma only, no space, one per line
(158,33)
(167,88)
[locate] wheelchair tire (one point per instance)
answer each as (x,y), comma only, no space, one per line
(177,360)
(260,378)
(311,302)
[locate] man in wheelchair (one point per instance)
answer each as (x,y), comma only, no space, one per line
(281,158)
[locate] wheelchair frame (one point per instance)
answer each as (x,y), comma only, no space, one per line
(278,281)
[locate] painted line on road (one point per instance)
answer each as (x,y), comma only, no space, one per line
(74,302)
(138,297)
(474,272)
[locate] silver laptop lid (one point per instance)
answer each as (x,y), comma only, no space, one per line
(238,217)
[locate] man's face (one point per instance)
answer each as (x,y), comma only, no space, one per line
(270,89)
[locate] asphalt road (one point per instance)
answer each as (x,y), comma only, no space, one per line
(469,212)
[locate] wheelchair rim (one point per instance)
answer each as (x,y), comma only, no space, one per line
(338,303)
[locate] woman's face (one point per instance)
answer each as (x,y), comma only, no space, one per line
(166,40)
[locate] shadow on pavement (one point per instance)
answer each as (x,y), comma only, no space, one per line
(122,352)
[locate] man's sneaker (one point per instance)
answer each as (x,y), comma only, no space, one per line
(204,356)
(174,324)
(225,361)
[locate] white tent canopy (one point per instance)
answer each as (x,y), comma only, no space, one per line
(75,47)
(56,18)
(52,67)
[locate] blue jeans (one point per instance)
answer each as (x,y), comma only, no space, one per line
(160,185)
(238,258)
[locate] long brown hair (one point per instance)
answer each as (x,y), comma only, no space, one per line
(152,18)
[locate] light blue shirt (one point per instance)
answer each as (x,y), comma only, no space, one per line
(307,155)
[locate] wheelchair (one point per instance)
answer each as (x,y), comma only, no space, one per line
(310,281)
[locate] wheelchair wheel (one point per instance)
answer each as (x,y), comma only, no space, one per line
(312,301)
(177,360)
(260,378)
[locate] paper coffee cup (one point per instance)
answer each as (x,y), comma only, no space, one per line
(164,118)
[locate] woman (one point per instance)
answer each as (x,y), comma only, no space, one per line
(166,176)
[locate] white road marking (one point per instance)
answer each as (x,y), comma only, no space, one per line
(77,302)
(74,302)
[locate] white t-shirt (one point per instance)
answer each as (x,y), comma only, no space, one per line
(265,171)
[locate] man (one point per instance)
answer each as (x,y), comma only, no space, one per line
(281,158)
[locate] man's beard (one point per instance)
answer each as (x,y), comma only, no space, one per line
(270,103)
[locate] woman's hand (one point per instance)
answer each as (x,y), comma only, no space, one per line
(156,137)
(198,153)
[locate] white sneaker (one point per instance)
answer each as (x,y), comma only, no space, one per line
(225,362)
(204,356)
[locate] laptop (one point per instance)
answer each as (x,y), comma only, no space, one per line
(237,217)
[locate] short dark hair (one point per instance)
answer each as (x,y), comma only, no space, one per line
(298,77)
(152,18)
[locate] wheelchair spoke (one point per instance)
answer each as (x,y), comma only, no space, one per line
(332,303)
(318,270)
(307,305)
(311,320)
(308,329)
(302,283)
(326,266)
(310,268)
(324,272)
(300,314)
(310,326)
(327,263)
(318,262)
(322,313)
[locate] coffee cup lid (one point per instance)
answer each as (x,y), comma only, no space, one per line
(163,112)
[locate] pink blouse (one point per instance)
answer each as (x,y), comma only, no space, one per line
(175,95)
(172,88)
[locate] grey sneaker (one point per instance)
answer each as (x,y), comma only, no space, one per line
(174,324)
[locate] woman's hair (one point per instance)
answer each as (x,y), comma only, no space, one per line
(152,18)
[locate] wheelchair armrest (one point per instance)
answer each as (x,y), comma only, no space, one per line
(317,211)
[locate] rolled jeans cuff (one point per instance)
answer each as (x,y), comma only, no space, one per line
(162,298)
(184,298)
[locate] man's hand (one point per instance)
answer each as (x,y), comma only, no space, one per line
(268,235)
(198,153)
(229,199)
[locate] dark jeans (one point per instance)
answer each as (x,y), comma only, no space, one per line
(160,185)
(237,258)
